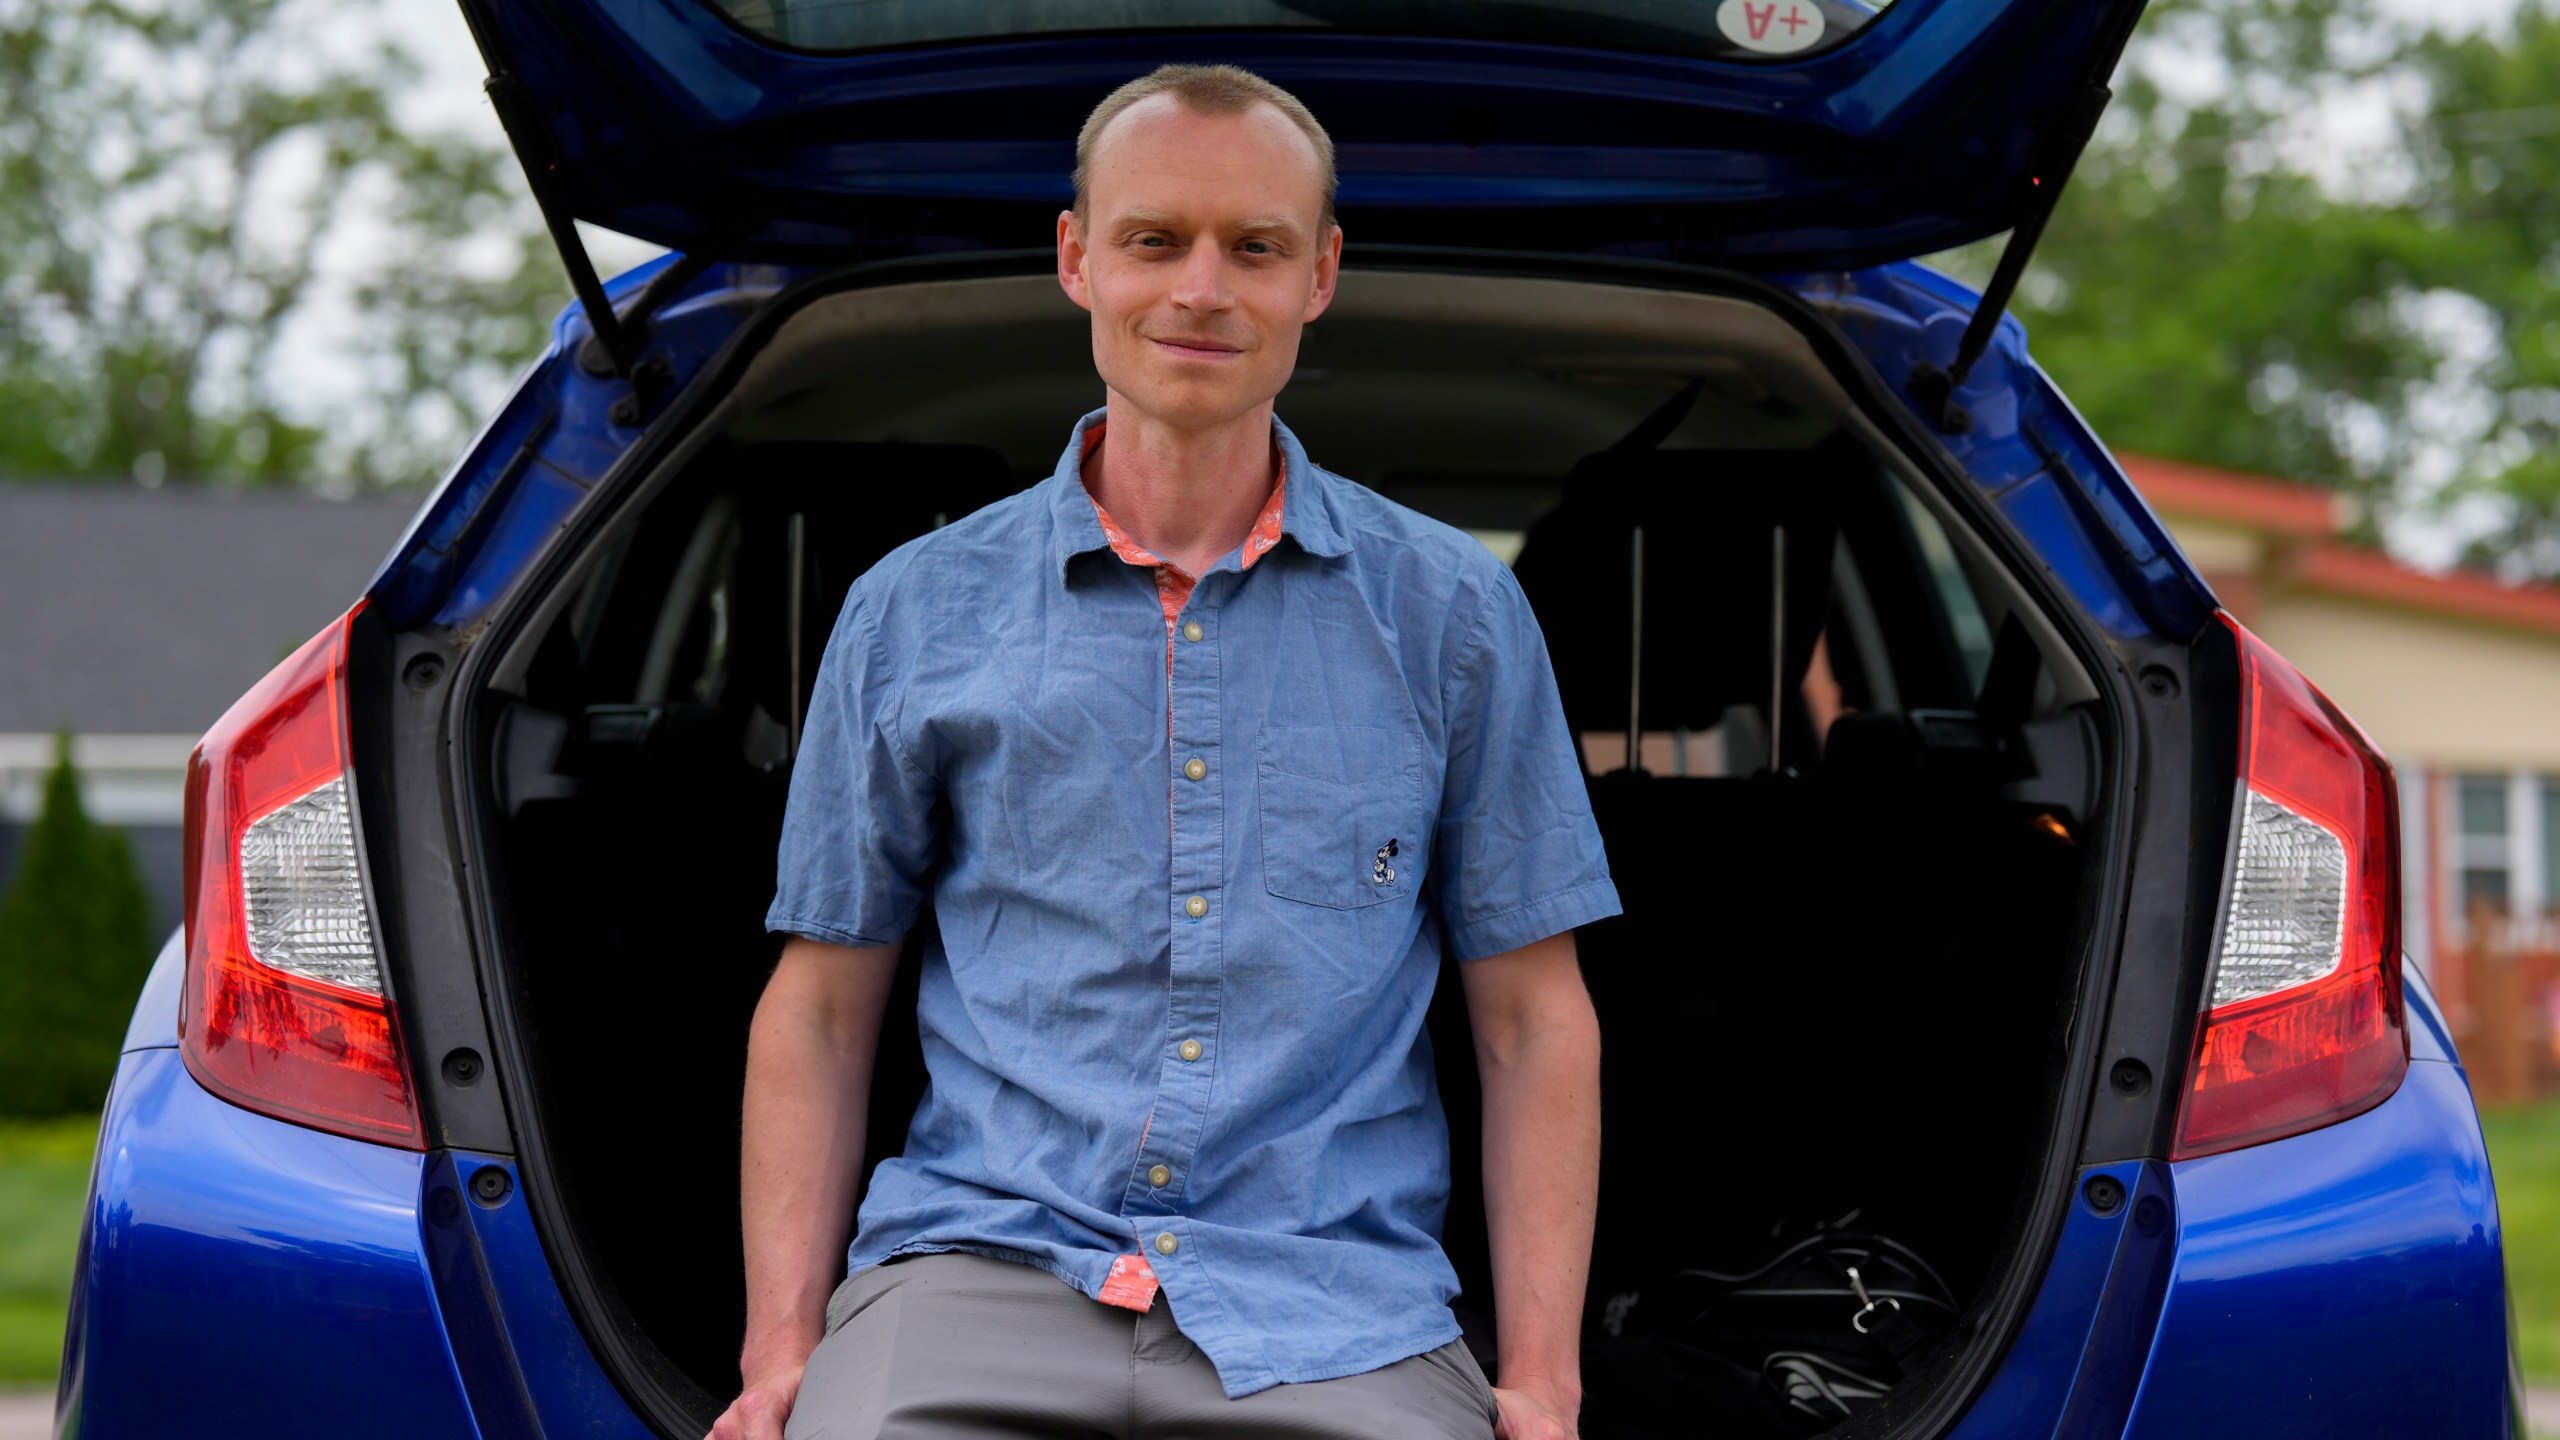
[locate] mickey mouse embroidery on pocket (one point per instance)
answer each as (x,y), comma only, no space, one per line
(1327,796)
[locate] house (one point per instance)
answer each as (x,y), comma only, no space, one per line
(133,618)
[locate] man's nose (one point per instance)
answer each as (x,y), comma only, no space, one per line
(1202,281)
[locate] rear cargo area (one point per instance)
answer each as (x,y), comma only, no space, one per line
(1846,771)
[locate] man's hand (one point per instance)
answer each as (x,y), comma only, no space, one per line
(1533,1414)
(760,1410)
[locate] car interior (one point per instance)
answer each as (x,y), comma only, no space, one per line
(1843,766)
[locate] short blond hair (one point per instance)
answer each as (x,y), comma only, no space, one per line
(1205,90)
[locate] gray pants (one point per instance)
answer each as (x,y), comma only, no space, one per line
(960,1345)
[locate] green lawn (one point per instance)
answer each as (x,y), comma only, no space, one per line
(44,1176)
(2524,1153)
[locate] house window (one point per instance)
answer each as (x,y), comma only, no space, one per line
(2550,843)
(2480,841)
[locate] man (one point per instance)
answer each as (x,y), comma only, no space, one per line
(1204,756)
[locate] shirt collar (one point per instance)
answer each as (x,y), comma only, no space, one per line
(1306,509)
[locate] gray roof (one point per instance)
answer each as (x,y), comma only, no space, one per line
(131,611)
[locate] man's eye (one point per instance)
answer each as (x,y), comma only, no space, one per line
(1154,241)
(1257,247)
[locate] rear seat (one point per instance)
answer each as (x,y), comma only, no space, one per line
(1804,993)
(1732,884)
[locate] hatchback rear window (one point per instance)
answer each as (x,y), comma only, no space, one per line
(1724,29)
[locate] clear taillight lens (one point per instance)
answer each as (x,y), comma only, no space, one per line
(2285,923)
(2305,1024)
(283,1010)
(303,895)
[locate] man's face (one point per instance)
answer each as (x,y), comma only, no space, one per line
(1200,258)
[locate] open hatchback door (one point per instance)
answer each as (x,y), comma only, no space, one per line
(1759,134)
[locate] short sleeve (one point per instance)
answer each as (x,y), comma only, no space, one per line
(1517,856)
(863,824)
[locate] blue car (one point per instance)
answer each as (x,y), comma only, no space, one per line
(2007,1033)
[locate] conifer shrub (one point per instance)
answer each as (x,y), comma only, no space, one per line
(75,944)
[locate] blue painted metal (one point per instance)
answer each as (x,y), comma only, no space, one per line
(551,441)
(512,1331)
(2349,1282)
(2344,1283)
(238,1275)
(2025,447)
(1917,134)
(2092,1290)
(241,1276)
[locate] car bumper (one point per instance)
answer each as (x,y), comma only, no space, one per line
(2348,1282)
(242,1276)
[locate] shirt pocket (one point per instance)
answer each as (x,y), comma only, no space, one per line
(1340,815)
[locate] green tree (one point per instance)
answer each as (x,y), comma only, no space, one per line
(174,178)
(75,944)
(2221,284)
(2490,145)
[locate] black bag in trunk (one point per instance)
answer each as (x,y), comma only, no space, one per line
(1808,1337)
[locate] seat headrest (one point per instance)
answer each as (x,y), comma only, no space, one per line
(859,500)
(1708,517)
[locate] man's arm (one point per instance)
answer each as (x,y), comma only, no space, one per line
(809,1057)
(1538,1051)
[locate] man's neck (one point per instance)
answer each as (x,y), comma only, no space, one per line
(1190,496)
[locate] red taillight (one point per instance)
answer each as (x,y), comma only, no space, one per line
(2304,1022)
(283,1010)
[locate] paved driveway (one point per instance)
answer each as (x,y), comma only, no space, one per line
(26,1415)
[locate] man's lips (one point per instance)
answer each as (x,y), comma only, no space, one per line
(1198,347)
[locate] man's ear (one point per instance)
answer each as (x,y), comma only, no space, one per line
(1328,269)
(1071,258)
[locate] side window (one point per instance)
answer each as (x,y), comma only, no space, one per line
(1853,655)
(2481,824)
(688,651)
(1958,608)
(1899,626)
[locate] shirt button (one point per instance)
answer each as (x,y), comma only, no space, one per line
(1160,1176)
(1196,906)
(1195,767)
(1191,631)
(1165,1243)
(1189,1050)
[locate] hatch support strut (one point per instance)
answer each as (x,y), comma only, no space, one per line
(2057,152)
(615,341)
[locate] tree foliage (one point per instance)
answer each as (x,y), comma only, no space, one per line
(177,180)
(2311,240)
(75,944)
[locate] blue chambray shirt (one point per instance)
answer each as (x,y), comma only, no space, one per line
(1386,777)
